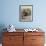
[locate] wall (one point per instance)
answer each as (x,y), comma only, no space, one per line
(9,13)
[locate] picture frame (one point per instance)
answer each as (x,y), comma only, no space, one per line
(26,13)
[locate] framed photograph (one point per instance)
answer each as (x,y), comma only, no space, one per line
(25,13)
